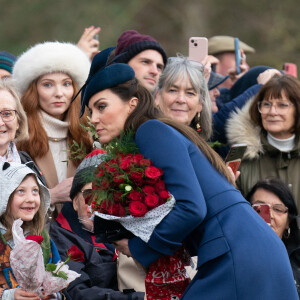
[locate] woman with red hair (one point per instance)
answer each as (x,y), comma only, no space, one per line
(48,75)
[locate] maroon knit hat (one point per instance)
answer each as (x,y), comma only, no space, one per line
(131,43)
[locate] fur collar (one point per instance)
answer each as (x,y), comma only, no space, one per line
(240,129)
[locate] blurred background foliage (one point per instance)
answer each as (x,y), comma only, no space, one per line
(270,26)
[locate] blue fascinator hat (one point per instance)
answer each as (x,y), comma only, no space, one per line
(103,76)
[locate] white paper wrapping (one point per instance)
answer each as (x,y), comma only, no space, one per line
(27,263)
(143,227)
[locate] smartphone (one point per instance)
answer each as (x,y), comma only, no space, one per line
(290,68)
(198,48)
(264,211)
(238,57)
(235,155)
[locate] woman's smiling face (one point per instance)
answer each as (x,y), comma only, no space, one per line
(180,101)
(8,129)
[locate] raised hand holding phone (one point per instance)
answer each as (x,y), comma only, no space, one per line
(263,210)
(234,156)
(198,48)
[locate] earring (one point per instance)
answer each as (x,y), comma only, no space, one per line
(198,127)
(287,233)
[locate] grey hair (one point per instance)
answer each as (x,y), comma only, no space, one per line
(22,132)
(181,68)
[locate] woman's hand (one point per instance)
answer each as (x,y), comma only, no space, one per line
(235,175)
(207,62)
(122,246)
(21,294)
(265,76)
(61,192)
(87,43)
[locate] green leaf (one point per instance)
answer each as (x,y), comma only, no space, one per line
(101,195)
(50,267)
(63,275)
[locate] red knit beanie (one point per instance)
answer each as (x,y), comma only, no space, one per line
(131,43)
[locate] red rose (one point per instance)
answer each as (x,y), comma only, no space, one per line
(104,206)
(160,186)
(100,173)
(117,209)
(152,172)
(75,254)
(36,238)
(137,209)
(147,189)
(152,200)
(118,179)
(136,177)
(104,184)
(125,164)
(135,196)
(145,162)
(117,196)
(164,195)
(111,170)
(137,158)
(150,181)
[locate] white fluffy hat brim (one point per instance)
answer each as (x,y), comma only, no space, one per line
(50,57)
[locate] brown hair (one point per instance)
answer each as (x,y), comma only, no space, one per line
(275,88)
(35,226)
(22,131)
(37,145)
(145,110)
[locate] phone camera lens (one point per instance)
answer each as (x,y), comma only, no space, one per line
(195,44)
(192,41)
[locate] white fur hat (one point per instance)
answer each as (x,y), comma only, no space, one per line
(11,176)
(50,57)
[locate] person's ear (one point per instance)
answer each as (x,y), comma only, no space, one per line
(133,102)
(75,203)
(157,99)
(200,107)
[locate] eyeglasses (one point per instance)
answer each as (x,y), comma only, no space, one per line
(8,115)
(87,195)
(281,107)
(278,209)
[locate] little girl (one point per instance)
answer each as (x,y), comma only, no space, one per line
(23,196)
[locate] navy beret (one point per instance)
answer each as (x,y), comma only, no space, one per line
(102,77)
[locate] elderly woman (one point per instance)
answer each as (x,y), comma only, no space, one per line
(270,126)
(283,216)
(183,95)
(13,127)
(210,216)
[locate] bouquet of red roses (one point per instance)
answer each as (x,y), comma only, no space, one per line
(130,198)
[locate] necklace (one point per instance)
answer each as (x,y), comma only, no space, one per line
(56,139)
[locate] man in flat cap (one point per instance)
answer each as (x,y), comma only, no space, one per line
(222,47)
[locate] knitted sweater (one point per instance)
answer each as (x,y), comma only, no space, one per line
(57,132)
